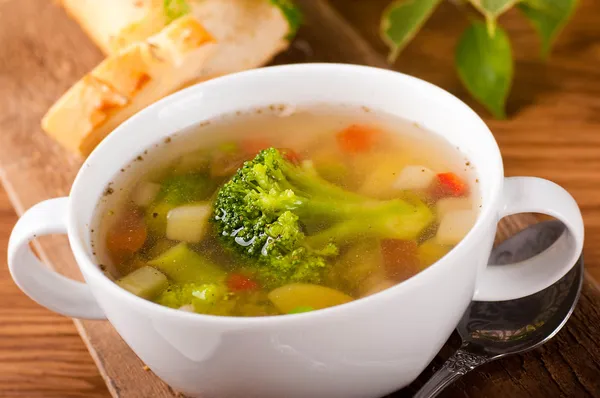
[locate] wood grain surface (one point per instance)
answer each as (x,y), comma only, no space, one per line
(552,133)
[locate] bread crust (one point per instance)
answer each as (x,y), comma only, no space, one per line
(127,81)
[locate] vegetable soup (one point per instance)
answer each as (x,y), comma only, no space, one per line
(281,211)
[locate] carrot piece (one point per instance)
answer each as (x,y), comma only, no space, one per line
(127,236)
(449,184)
(240,283)
(290,155)
(357,139)
(400,258)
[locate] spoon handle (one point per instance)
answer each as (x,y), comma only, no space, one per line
(461,362)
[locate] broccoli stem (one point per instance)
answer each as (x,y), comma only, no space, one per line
(384,221)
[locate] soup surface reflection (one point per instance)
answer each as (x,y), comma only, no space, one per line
(282,211)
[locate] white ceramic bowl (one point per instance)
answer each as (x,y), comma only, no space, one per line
(366,348)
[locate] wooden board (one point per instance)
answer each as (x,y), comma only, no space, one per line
(43,53)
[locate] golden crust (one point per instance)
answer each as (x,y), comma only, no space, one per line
(126,82)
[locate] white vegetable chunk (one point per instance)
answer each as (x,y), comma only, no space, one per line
(187,308)
(454,226)
(144,193)
(188,223)
(414,177)
(448,205)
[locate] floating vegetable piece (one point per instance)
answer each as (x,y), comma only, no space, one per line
(447,205)
(357,139)
(126,236)
(289,297)
(454,226)
(414,177)
(188,223)
(145,282)
(400,258)
(175,191)
(183,265)
(239,283)
(207,296)
(449,184)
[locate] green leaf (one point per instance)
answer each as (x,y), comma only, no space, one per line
(174,9)
(485,66)
(548,17)
(292,14)
(492,9)
(401,20)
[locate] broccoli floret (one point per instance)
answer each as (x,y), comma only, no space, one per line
(203,297)
(178,295)
(261,212)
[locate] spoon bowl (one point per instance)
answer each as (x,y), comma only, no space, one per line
(492,330)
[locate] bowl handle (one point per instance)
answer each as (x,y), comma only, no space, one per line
(42,284)
(512,281)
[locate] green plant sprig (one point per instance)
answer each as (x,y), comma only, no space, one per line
(483,57)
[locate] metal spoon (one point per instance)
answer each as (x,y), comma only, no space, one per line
(492,330)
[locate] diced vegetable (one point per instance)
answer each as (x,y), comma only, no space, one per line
(400,258)
(187,308)
(454,226)
(379,287)
(289,297)
(186,188)
(176,191)
(414,177)
(359,267)
(156,217)
(183,265)
(145,282)
(207,296)
(431,251)
(357,138)
(449,184)
(301,309)
(178,295)
(447,205)
(126,236)
(145,193)
(188,223)
(377,171)
(239,283)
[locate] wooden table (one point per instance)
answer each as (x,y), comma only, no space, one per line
(553,132)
